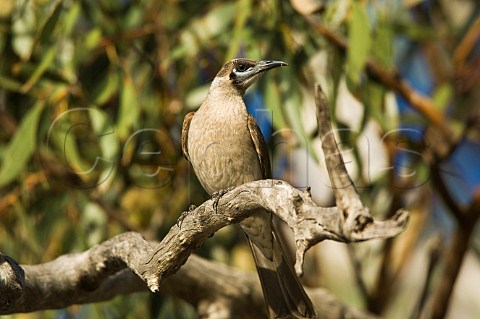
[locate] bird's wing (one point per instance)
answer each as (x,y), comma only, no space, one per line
(260,147)
(185,128)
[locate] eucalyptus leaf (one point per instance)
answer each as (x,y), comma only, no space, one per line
(50,23)
(106,87)
(292,107)
(272,100)
(359,40)
(46,61)
(382,43)
(244,10)
(71,17)
(442,96)
(21,147)
(24,27)
(129,108)
(10,84)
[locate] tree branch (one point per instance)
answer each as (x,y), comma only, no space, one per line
(453,258)
(213,288)
(92,275)
(310,224)
(356,217)
(74,278)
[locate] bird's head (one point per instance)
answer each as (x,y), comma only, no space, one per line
(241,73)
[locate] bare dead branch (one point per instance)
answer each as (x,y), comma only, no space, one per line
(356,217)
(310,224)
(216,290)
(87,277)
(76,278)
(346,197)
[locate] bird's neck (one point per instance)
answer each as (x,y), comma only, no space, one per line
(225,100)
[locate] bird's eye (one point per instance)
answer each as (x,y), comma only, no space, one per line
(242,67)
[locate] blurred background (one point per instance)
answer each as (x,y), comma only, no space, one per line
(93,95)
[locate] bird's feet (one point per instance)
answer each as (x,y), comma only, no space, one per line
(217,195)
(184,214)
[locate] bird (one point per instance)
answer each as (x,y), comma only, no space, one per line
(226,149)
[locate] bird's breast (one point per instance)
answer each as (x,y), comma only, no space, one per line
(222,152)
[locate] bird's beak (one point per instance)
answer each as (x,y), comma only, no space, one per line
(244,79)
(266,65)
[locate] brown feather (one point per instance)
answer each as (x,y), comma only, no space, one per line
(185,128)
(260,147)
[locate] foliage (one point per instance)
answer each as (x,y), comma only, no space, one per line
(93,93)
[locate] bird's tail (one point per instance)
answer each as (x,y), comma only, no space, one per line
(283,292)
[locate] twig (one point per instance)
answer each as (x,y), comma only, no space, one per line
(458,211)
(435,246)
(454,257)
(467,44)
(357,270)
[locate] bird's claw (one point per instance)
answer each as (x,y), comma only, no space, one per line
(217,195)
(184,214)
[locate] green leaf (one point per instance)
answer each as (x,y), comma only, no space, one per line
(49,26)
(272,100)
(129,108)
(106,87)
(243,13)
(92,38)
(10,84)
(196,96)
(201,30)
(109,146)
(21,147)
(215,22)
(442,96)
(105,131)
(94,219)
(72,155)
(71,18)
(292,106)
(47,60)
(382,46)
(359,40)
(373,97)
(23,27)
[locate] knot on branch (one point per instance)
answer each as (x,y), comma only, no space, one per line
(12,279)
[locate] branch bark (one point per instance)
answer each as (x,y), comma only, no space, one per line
(310,224)
(98,274)
(216,290)
(453,258)
(355,215)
